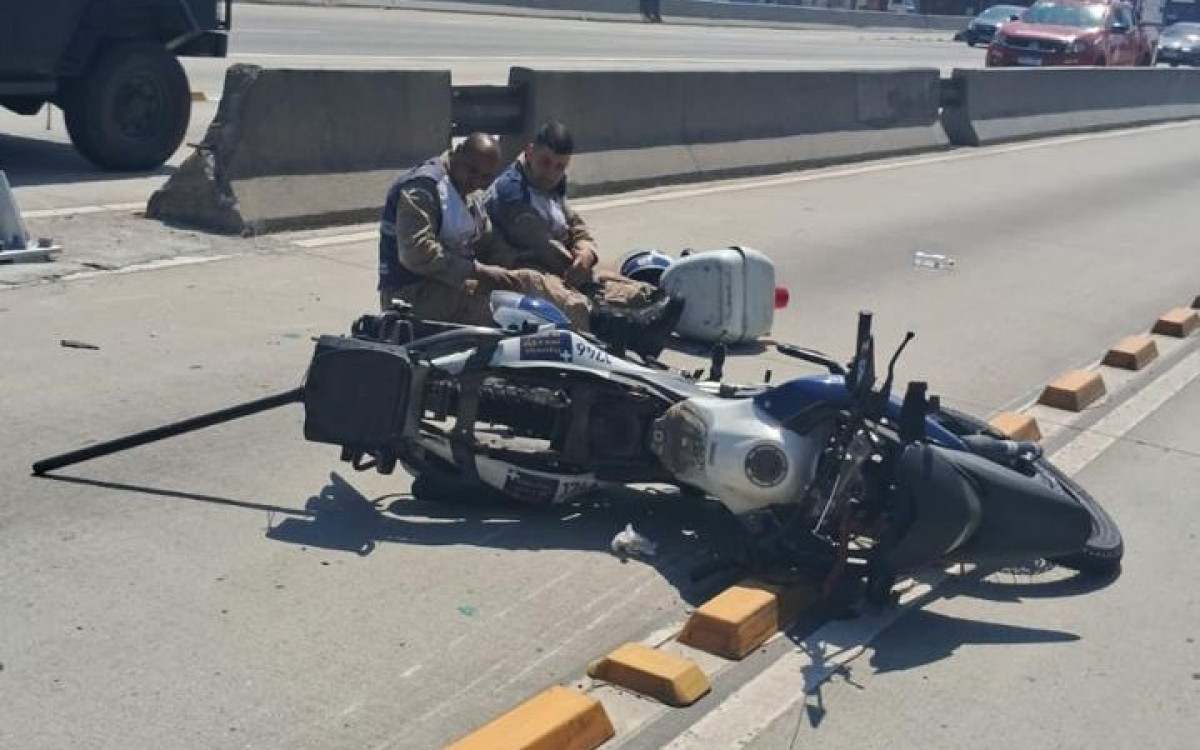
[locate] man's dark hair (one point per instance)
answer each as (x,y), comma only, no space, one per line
(555,136)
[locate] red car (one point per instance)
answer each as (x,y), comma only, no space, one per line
(1073,32)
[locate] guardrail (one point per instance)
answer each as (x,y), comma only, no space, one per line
(293,148)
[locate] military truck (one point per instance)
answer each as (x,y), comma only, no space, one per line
(113,67)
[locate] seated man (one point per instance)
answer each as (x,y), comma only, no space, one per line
(528,207)
(434,243)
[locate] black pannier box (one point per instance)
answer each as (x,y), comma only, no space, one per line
(356,394)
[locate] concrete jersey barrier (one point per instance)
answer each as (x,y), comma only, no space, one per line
(997,105)
(298,148)
(637,129)
(764,14)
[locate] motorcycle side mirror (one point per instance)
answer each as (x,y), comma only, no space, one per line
(913,411)
(886,391)
(861,377)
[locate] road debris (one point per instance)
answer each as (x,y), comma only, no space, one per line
(73,344)
(629,543)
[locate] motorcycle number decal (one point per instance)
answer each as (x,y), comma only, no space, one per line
(573,488)
(553,347)
(530,488)
(588,352)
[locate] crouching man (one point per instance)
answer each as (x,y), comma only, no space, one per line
(528,208)
(436,243)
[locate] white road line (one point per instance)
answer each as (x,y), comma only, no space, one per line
(336,239)
(1086,447)
(672,194)
(154,265)
(716,62)
(46,213)
(753,707)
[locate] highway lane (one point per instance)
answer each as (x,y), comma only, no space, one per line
(241,586)
(49,174)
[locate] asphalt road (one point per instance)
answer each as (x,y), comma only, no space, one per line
(240,587)
(478,49)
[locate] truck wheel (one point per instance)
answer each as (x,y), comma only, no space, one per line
(129,112)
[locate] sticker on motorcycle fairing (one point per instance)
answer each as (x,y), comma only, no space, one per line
(575,488)
(530,488)
(551,347)
(588,353)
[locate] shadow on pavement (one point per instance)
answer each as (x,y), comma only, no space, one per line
(176,494)
(32,161)
(701,349)
(341,518)
(925,637)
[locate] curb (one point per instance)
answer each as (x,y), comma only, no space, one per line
(670,679)
(557,719)
(1077,390)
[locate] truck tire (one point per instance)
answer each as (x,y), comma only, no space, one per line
(130,110)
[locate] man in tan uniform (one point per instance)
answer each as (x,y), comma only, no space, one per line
(528,207)
(437,251)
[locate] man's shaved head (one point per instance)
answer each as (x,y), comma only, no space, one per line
(480,144)
(475,162)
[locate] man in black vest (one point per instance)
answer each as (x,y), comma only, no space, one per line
(436,247)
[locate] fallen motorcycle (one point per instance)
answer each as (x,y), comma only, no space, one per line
(821,470)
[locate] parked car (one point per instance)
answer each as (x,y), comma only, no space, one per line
(983,27)
(1179,44)
(1074,32)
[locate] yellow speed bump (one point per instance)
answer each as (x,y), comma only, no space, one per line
(558,719)
(669,678)
(1016,426)
(1180,323)
(1132,353)
(1074,391)
(743,617)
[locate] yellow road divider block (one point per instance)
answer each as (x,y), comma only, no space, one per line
(743,617)
(1016,426)
(1074,391)
(1180,323)
(669,678)
(199,96)
(1132,353)
(557,719)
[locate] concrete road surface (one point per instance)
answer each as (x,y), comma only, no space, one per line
(241,588)
(49,174)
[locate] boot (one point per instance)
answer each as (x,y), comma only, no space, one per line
(645,329)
